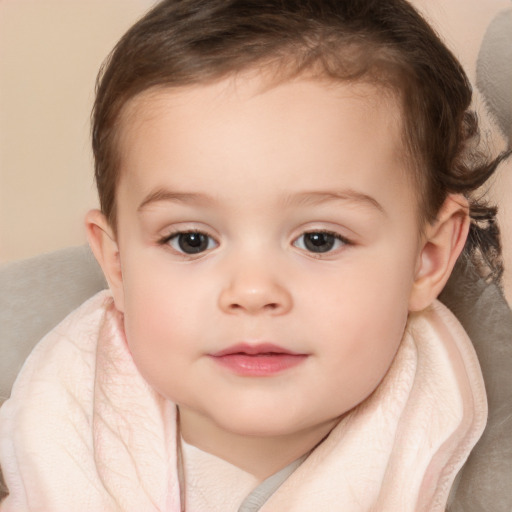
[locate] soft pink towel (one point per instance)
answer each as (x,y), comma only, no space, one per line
(84,432)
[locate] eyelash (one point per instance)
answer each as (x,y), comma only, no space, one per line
(206,242)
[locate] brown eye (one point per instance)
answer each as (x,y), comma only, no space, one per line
(319,241)
(191,242)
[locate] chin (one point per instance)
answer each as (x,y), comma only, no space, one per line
(257,425)
(262,424)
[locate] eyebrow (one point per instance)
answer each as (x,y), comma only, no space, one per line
(161,195)
(300,199)
(348,195)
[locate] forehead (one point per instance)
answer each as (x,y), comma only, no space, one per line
(254,88)
(241,92)
(285,134)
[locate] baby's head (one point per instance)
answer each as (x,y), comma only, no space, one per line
(282,177)
(185,43)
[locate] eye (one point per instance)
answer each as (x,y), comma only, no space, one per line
(320,241)
(191,242)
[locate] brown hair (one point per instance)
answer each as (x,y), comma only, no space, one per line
(184,42)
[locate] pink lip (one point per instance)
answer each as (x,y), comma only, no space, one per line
(263,359)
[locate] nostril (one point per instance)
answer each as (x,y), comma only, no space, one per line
(272,306)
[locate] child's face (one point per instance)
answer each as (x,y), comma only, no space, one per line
(250,216)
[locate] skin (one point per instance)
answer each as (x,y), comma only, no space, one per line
(254,167)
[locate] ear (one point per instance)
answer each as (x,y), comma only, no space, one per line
(105,248)
(442,244)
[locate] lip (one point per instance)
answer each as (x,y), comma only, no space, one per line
(260,360)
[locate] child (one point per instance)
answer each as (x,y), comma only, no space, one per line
(285,188)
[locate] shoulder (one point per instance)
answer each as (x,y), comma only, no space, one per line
(60,363)
(67,351)
(46,421)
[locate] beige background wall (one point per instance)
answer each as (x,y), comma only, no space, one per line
(50,52)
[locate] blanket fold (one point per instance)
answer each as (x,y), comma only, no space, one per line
(83,431)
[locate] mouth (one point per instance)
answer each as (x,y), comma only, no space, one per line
(261,360)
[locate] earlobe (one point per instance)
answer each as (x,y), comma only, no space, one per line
(443,242)
(104,246)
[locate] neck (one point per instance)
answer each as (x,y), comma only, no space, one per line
(260,456)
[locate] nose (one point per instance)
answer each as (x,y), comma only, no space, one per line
(255,290)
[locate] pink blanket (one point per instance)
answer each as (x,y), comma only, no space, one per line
(84,432)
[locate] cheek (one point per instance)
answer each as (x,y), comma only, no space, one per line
(151,338)
(363,319)
(360,355)
(370,297)
(161,328)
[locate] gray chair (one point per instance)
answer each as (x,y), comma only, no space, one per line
(35,295)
